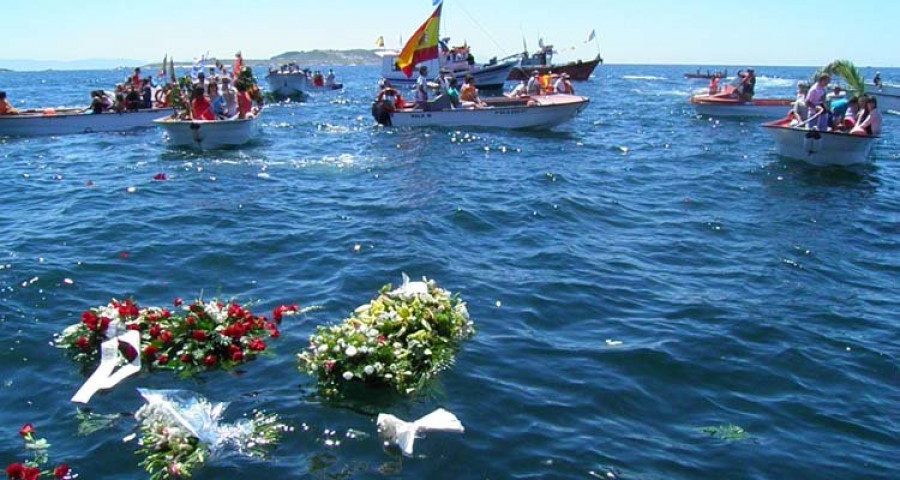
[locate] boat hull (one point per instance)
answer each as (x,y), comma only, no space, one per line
(543,114)
(820,148)
(207,135)
(714,106)
(70,122)
(578,71)
(287,84)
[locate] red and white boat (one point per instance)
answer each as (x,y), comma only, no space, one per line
(819,148)
(725,104)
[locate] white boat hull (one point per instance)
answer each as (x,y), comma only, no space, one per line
(542,116)
(821,149)
(67,122)
(207,135)
(743,110)
(287,84)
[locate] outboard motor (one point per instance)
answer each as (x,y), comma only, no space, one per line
(381,111)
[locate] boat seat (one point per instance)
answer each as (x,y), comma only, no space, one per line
(441,102)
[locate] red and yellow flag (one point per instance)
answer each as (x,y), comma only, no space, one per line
(423,45)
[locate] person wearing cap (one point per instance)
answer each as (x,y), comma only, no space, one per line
(564,85)
(747,88)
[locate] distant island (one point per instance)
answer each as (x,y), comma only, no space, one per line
(5,70)
(311,58)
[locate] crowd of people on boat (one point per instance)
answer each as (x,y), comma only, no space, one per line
(543,84)
(817,108)
(315,78)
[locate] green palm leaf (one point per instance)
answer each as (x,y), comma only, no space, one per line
(846,70)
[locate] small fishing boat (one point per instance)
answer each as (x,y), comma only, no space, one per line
(207,134)
(425,48)
(298,83)
(727,104)
(888,95)
(819,148)
(67,121)
(698,75)
(538,113)
(542,62)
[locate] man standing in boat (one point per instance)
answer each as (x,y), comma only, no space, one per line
(747,88)
(422,88)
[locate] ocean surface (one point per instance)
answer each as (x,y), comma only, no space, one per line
(635,276)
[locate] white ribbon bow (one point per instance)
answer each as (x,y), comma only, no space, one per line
(403,434)
(110,357)
(411,289)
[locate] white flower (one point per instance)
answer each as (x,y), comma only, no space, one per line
(428,351)
(369,369)
(322,348)
(351,351)
(348,376)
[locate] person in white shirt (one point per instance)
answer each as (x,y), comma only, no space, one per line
(799,110)
(422,88)
(329,80)
(564,85)
(519,91)
(534,84)
(870,120)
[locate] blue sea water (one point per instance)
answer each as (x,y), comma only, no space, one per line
(635,275)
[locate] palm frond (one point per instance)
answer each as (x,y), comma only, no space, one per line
(846,70)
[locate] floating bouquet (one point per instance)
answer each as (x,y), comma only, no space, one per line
(180,431)
(32,469)
(191,339)
(401,339)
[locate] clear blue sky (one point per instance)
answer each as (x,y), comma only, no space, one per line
(702,32)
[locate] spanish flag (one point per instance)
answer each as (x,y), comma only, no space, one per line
(423,45)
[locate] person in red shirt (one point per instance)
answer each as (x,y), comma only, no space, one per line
(200,106)
(245,103)
(136,78)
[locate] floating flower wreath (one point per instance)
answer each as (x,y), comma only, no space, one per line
(32,469)
(401,339)
(191,339)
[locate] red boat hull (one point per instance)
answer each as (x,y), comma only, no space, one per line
(578,71)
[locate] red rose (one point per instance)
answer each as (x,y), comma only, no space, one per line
(160,177)
(104,324)
(133,326)
(26,430)
(186,358)
(15,470)
(155,330)
(83,344)
(90,320)
(211,360)
(382,339)
(166,313)
(150,350)
(165,336)
(31,473)
(61,471)
(237,356)
(152,318)
(282,310)
(329,365)
(257,345)
(274,333)
(128,309)
(235,310)
(191,321)
(178,302)
(199,335)
(162,359)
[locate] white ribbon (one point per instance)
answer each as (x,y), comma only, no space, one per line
(403,434)
(411,289)
(104,376)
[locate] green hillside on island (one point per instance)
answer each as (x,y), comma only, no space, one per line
(312,58)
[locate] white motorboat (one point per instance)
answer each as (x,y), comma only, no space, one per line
(287,84)
(66,121)
(820,148)
(888,95)
(489,76)
(207,134)
(539,113)
(297,83)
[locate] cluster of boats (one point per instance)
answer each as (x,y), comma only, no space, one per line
(800,140)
